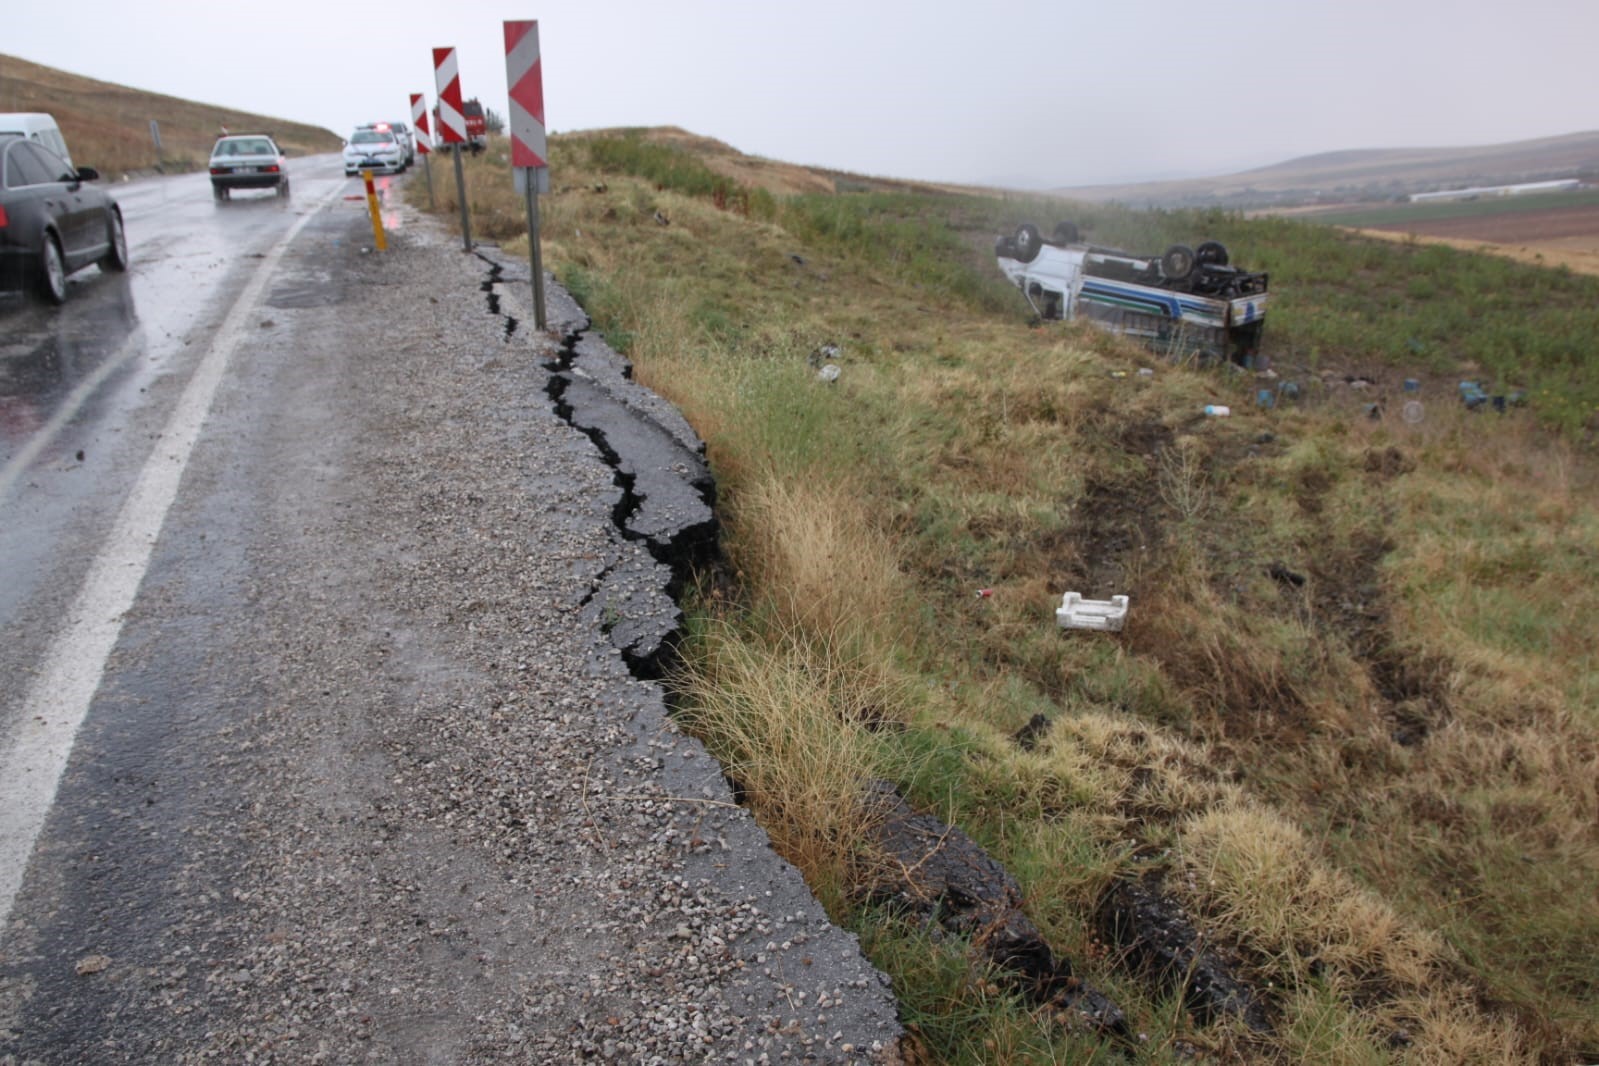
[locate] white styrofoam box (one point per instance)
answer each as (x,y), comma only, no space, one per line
(1078,613)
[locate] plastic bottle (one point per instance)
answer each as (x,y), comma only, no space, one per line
(1217,410)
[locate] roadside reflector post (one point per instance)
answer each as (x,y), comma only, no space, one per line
(378,237)
(424,145)
(524,73)
(452,126)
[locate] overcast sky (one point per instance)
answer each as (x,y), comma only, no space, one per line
(1051,92)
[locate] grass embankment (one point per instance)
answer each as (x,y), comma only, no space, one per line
(1351,720)
(107,126)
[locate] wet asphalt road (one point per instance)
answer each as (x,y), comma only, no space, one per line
(305,600)
(87,392)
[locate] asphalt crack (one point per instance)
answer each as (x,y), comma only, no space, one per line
(663,510)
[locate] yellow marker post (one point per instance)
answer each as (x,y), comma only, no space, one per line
(377,219)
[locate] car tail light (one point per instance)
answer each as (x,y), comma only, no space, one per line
(4,222)
(272,169)
(219,170)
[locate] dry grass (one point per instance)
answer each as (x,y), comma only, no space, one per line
(791,722)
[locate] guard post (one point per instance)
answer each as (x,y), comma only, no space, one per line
(379,239)
(524,73)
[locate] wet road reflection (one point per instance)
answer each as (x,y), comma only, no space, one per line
(77,365)
(45,356)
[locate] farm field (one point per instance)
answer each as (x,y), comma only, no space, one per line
(1554,230)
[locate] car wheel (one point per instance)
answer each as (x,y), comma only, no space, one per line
(1066,233)
(283,188)
(1211,253)
(52,271)
(116,258)
(1177,263)
(1028,241)
(219,193)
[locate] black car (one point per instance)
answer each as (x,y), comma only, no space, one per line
(52,222)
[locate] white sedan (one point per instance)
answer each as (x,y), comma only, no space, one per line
(373,149)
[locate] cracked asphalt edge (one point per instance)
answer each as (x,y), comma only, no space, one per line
(635,592)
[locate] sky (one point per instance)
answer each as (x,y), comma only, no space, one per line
(1032,93)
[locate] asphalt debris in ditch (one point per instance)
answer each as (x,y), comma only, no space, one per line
(939,877)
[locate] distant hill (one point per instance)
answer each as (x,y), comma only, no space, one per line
(108,126)
(1365,175)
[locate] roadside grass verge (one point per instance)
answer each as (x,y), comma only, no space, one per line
(1350,721)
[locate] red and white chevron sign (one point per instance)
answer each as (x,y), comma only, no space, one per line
(447,74)
(419,125)
(525,75)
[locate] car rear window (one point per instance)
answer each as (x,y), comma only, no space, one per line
(249,147)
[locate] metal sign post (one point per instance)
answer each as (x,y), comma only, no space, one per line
(424,146)
(452,126)
(524,73)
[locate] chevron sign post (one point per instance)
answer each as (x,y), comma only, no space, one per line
(524,73)
(424,143)
(419,124)
(452,126)
(447,79)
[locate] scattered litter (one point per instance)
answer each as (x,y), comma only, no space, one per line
(1373,411)
(984,594)
(1279,572)
(1218,410)
(1265,398)
(1118,373)
(826,353)
(1412,385)
(661,219)
(1471,395)
(829,372)
(1145,372)
(1412,412)
(1077,613)
(1289,390)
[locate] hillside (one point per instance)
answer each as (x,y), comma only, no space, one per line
(1371,174)
(1327,798)
(108,126)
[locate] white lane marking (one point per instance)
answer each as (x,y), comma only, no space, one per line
(59,697)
